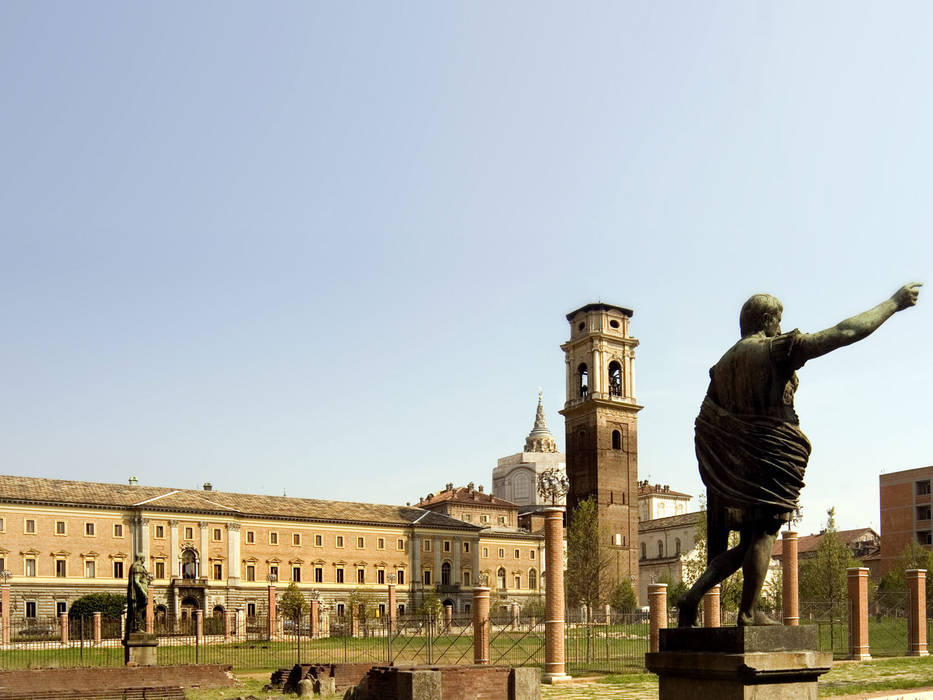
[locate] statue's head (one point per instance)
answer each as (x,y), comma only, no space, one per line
(762,312)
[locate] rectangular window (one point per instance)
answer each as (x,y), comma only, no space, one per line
(518,581)
(427,577)
(446,545)
(89,529)
(923,487)
(30,567)
(381,610)
(296,574)
(218,572)
(380,576)
(273,538)
(160,532)
(30,608)
(339,574)
(466,578)
(160,569)
(501,553)
(217,534)
(400,545)
(118,529)
(467,518)
(250,537)
(531,554)
(360,543)
(517,554)
(1,524)
(274,573)
(189,533)
(30,527)
(296,539)
(59,527)
(341,609)
(400,575)
(484,518)
(923,512)
(251,609)
(485,552)
(90,569)
(250,572)
(466,547)
(923,537)
(60,568)
(61,607)
(381,543)
(319,574)
(340,540)
(502,520)
(118,568)
(319,540)
(427,545)
(361,575)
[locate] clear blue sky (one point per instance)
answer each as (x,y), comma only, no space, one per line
(327,248)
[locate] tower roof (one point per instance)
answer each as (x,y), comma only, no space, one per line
(599,306)
(540,438)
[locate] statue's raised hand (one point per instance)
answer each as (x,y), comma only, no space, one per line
(907,295)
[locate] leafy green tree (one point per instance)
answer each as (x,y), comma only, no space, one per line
(622,598)
(731,590)
(293,604)
(110,605)
(588,559)
(892,590)
(675,591)
(823,576)
(534,607)
(431,606)
(363,605)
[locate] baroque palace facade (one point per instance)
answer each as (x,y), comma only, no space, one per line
(218,551)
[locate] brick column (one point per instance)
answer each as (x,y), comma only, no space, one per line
(858,613)
(393,609)
(150,614)
(515,615)
(554,670)
(657,611)
(270,627)
(5,617)
(789,579)
(448,616)
(240,624)
(916,612)
(313,618)
(481,625)
(199,625)
(711,616)
(228,625)
(63,623)
(96,626)
(608,611)
(354,624)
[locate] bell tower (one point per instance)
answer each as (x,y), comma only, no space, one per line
(600,417)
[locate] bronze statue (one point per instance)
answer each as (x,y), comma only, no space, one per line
(137,596)
(750,449)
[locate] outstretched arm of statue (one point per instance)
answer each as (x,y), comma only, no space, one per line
(860,326)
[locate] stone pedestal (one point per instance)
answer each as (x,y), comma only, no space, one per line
(139,649)
(739,663)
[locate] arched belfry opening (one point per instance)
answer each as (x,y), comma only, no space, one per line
(615,378)
(616,440)
(583,380)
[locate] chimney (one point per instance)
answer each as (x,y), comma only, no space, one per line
(133,481)
(207,486)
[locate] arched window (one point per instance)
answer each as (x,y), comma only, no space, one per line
(677,547)
(616,440)
(583,383)
(445,573)
(500,577)
(520,487)
(660,549)
(615,379)
(532,579)
(189,564)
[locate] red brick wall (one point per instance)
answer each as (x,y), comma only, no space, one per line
(92,679)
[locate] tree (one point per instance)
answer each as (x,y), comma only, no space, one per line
(823,576)
(622,598)
(110,605)
(892,591)
(534,607)
(293,604)
(730,594)
(431,607)
(675,591)
(587,559)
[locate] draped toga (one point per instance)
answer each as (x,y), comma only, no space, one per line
(749,446)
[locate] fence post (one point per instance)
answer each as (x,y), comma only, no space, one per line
(199,625)
(63,623)
(858,613)
(5,616)
(313,623)
(150,615)
(657,611)
(393,606)
(789,593)
(240,625)
(448,616)
(96,623)
(228,625)
(711,615)
(481,625)
(916,612)
(270,593)
(554,667)
(608,612)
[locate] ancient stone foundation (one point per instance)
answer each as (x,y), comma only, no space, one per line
(739,663)
(448,683)
(140,649)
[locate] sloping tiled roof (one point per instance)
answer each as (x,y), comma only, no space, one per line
(683,520)
(809,543)
(21,489)
(462,494)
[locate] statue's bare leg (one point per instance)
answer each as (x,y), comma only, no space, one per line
(754,571)
(721,567)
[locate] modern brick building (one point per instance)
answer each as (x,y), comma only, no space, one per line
(219,551)
(905,501)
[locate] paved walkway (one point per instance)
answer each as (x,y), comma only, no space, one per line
(593,690)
